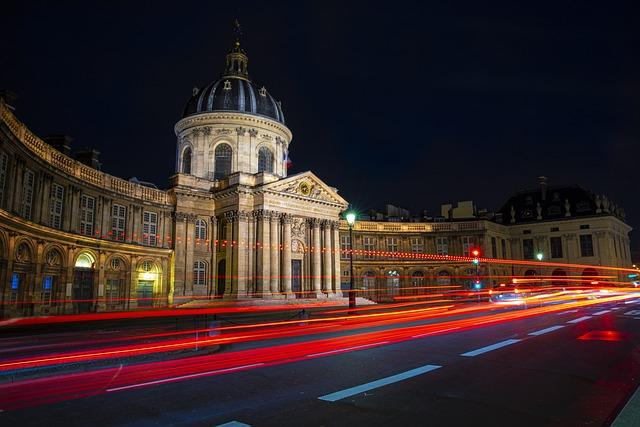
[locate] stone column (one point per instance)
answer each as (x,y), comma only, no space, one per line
(337,271)
(213,268)
(316,257)
(263,252)
(230,218)
(274,247)
(286,255)
(327,276)
(101,303)
(241,253)
(189,244)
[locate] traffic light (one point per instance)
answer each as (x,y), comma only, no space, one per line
(475,252)
(477,284)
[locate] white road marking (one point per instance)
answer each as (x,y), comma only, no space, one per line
(632,313)
(544,331)
(233,424)
(601,312)
(341,350)
(490,348)
(567,312)
(631,302)
(378,383)
(435,332)
(184,377)
(579,319)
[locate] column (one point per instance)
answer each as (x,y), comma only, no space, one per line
(274,247)
(230,219)
(263,250)
(189,243)
(286,255)
(101,303)
(337,271)
(180,254)
(241,253)
(316,257)
(213,267)
(326,261)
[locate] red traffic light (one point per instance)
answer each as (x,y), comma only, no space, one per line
(475,252)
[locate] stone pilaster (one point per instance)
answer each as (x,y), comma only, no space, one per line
(263,253)
(316,257)
(274,247)
(327,276)
(286,255)
(337,273)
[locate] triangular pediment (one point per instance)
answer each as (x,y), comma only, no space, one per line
(306,185)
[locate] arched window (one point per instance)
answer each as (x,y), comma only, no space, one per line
(393,282)
(265,160)
(201,229)
(222,162)
(199,273)
(444,278)
(417,278)
(186,161)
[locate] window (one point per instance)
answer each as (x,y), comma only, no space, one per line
(4,162)
(584,226)
(417,278)
(369,280)
(56,201)
(87,214)
(222,162)
(467,243)
(186,161)
(494,248)
(345,244)
(29,179)
(149,228)
(147,265)
(503,248)
(392,244)
(527,248)
(526,231)
(112,292)
(47,289)
(199,273)
(265,160)
(417,245)
(368,243)
(586,245)
(201,229)
(444,278)
(118,222)
(393,282)
(555,229)
(442,246)
(555,243)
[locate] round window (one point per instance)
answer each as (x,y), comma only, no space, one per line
(147,265)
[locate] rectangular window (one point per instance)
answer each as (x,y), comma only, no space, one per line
(392,244)
(28,183)
(47,289)
(555,229)
(118,222)
(199,273)
(442,246)
(417,245)
(527,248)
(584,226)
(467,244)
(555,243)
(526,231)
(503,248)
(56,202)
(149,228)
(112,292)
(494,248)
(87,214)
(586,245)
(369,245)
(344,247)
(4,163)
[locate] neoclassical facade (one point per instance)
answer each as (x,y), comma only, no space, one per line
(234,224)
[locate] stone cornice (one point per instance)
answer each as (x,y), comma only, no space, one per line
(231,119)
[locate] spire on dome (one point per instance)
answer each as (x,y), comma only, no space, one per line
(237,60)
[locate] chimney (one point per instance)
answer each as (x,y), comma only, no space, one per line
(543,186)
(89,156)
(62,143)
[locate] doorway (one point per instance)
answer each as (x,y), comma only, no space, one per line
(222,278)
(296,277)
(83,289)
(145,293)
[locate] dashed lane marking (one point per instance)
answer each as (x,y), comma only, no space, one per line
(601,312)
(546,330)
(579,319)
(490,348)
(338,395)
(632,313)
(567,312)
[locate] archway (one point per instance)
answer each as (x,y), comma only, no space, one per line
(561,275)
(83,278)
(590,276)
(393,282)
(148,282)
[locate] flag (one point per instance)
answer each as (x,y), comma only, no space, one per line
(286,159)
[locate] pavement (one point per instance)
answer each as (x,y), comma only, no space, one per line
(574,368)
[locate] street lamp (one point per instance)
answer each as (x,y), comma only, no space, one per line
(539,256)
(350,216)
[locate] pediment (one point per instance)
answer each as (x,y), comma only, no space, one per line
(308,186)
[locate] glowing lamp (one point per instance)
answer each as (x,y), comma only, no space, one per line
(475,252)
(539,256)
(476,261)
(351,218)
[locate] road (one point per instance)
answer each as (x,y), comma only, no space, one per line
(563,368)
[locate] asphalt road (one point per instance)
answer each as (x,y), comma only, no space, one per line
(554,370)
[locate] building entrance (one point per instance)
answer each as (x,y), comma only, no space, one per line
(296,277)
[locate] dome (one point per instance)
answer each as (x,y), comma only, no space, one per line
(234,92)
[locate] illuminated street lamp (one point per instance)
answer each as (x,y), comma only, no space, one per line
(350,216)
(539,256)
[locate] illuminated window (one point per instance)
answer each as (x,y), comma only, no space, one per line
(201,229)
(393,282)
(150,228)
(199,273)
(87,214)
(392,244)
(442,246)
(222,162)
(28,183)
(56,202)
(345,244)
(147,265)
(84,260)
(265,160)
(118,222)
(417,245)
(4,162)
(368,244)
(116,263)
(186,161)
(47,289)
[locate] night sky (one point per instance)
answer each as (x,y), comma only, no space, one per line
(414,104)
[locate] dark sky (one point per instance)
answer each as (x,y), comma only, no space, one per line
(409,103)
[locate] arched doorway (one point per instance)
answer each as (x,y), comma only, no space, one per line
(116,278)
(53,271)
(83,278)
(222,278)
(393,283)
(368,284)
(590,276)
(417,282)
(148,282)
(561,277)
(444,278)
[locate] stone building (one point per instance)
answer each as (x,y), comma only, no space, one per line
(564,224)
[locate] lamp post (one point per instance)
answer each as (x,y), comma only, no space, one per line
(351,220)
(476,262)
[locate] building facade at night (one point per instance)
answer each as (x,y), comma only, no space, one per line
(235,225)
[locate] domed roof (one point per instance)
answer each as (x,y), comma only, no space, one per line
(234,92)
